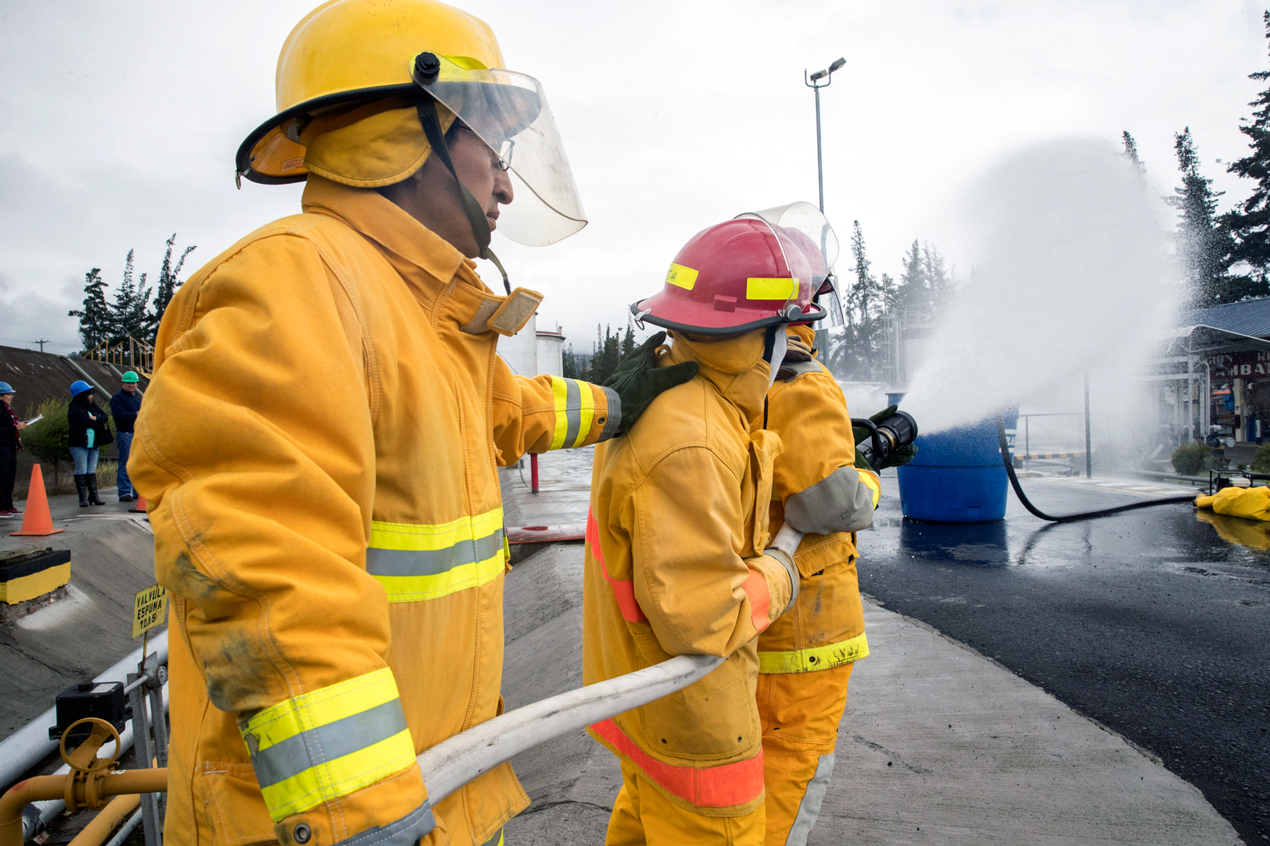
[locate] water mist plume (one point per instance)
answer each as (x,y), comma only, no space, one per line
(1069,270)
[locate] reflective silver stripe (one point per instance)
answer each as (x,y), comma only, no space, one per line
(406,831)
(809,808)
(613,419)
(839,503)
(572,410)
(432,562)
(794,581)
(326,743)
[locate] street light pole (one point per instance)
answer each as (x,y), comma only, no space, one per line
(814,83)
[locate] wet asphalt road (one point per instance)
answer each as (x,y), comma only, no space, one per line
(1150,622)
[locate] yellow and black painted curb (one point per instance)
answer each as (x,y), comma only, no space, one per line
(29,575)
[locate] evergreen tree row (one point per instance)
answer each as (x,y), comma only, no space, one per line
(609,348)
(136,308)
(1225,257)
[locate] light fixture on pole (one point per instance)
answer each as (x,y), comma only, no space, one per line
(814,82)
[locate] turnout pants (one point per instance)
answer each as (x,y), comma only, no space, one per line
(800,714)
(642,816)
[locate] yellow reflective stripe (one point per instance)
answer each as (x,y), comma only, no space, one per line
(682,277)
(816,658)
(770,289)
(325,705)
(419,536)
(587,412)
(340,777)
(360,717)
(416,562)
(560,392)
(462,577)
(874,484)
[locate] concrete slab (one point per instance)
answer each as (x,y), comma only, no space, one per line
(564,488)
(112,557)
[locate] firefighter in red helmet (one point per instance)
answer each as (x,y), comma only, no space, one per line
(678,555)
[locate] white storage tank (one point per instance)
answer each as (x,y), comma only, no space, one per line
(551,352)
(520,351)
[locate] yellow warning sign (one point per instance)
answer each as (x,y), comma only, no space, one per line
(149,609)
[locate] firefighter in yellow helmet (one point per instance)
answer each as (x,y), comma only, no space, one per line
(320,441)
(677,556)
(806,656)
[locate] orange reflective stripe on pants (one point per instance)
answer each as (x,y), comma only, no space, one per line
(705,787)
(800,713)
(642,816)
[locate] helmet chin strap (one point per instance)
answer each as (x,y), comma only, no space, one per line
(431,124)
(774,347)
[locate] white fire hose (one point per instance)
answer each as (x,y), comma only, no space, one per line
(454,762)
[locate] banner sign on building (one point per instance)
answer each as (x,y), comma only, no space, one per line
(1240,365)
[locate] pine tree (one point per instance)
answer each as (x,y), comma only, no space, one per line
(95,321)
(569,364)
(628,340)
(859,356)
(1249,222)
(129,313)
(1131,152)
(912,297)
(940,279)
(169,281)
(1203,246)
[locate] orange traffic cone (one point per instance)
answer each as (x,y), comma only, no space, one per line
(139,507)
(36,519)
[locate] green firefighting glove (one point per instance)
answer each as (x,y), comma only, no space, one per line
(638,380)
(898,457)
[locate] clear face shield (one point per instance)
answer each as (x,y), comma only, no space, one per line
(509,112)
(828,300)
(807,227)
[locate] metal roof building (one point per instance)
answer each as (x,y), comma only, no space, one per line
(1250,317)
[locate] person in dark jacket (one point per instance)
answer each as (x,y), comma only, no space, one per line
(124,407)
(88,433)
(10,443)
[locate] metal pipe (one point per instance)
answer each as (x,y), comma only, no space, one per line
(24,793)
(52,807)
(30,744)
(128,828)
(454,762)
(1089,458)
(533,472)
(820,167)
(107,819)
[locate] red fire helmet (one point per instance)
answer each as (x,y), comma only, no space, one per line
(732,278)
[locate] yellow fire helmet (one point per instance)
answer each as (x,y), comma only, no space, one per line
(353,85)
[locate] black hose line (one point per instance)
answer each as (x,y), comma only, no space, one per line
(1071,518)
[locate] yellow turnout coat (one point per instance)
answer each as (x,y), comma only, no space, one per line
(675,565)
(319,450)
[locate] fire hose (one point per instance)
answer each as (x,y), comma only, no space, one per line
(1084,515)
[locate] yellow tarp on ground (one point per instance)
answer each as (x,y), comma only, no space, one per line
(1249,503)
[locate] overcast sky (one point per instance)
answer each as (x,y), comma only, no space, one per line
(121,120)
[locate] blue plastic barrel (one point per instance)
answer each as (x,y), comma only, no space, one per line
(957,476)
